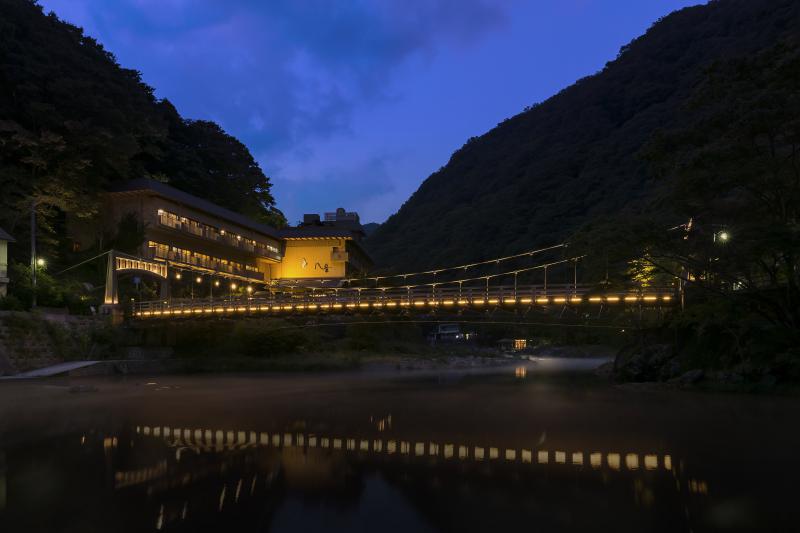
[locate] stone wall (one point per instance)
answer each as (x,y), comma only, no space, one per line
(35,340)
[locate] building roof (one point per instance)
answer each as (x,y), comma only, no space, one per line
(4,236)
(315,232)
(189,200)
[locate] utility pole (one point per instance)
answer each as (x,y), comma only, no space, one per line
(33,251)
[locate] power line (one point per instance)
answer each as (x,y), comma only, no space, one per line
(480,322)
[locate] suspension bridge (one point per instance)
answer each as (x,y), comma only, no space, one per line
(456,288)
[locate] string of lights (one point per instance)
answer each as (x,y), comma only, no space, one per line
(461,281)
(466,266)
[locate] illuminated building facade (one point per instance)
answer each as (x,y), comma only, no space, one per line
(188,233)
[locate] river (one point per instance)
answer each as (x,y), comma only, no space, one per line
(542,446)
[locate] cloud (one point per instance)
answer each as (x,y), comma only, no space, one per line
(282,72)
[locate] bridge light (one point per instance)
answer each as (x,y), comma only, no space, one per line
(631,298)
(216,283)
(233,286)
(612,299)
(576,300)
(177,275)
(542,300)
(198,279)
(559,300)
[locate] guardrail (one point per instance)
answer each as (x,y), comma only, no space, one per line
(347,300)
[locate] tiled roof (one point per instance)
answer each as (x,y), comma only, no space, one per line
(315,232)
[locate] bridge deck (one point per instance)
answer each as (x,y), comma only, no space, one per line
(350,300)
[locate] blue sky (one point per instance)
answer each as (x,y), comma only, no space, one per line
(353,103)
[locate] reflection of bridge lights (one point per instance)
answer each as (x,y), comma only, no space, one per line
(613,460)
(632,461)
(520,372)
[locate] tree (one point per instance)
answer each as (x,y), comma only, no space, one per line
(734,172)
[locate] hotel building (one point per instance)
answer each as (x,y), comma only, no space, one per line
(189,233)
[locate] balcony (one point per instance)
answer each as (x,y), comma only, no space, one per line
(211,234)
(214,265)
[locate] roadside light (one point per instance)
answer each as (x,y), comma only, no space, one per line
(199,279)
(233,286)
(40,262)
(216,283)
(250,290)
(724,236)
(178,275)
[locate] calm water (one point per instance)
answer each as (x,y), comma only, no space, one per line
(543,448)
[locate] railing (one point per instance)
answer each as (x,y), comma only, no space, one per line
(214,235)
(214,265)
(364,299)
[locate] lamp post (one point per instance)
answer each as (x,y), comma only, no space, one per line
(33,252)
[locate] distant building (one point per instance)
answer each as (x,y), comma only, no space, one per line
(189,233)
(449,333)
(5,238)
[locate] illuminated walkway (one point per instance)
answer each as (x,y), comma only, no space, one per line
(360,300)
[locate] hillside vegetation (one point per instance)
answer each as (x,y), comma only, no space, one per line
(581,156)
(73,122)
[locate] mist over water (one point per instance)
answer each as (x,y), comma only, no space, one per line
(540,446)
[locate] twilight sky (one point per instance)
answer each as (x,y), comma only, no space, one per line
(354,103)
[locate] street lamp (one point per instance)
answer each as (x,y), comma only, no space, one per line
(724,236)
(40,262)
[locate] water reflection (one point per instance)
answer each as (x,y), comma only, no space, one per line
(319,458)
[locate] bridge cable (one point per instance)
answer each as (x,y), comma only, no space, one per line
(81,263)
(497,260)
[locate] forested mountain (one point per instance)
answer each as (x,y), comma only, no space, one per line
(73,121)
(538,177)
